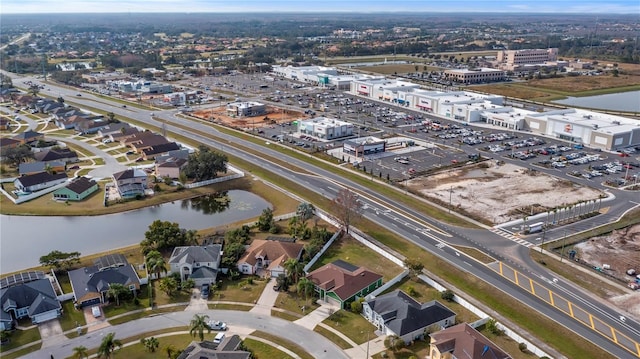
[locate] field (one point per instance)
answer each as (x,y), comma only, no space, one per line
(501,193)
(274,116)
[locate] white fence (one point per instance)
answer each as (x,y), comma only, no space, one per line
(321,252)
(388,285)
(237,174)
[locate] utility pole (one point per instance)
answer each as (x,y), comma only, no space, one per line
(563,242)
(450,195)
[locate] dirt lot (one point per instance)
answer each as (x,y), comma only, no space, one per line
(274,116)
(501,193)
(585,83)
(621,250)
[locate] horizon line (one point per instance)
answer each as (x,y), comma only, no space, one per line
(346,12)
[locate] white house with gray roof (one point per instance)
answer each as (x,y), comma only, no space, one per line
(396,313)
(200,263)
(35,299)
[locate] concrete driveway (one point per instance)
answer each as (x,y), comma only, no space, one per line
(267,299)
(51,333)
(197,303)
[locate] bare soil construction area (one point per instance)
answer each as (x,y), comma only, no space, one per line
(501,193)
(274,116)
(620,250)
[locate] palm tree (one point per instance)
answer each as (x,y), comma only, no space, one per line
(305,211)
(198,325)
(151,343)
(80,352)
(170,350)
(305,286)
(156,263)
(108,346)
(115,291)
(294,269)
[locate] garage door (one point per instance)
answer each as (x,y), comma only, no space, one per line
(333,301)
(46,316)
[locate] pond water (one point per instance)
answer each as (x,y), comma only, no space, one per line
(623,101)
(23,239)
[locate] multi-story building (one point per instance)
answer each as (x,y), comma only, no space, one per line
(246,109)
(513,59)
(467,76)
(325,128)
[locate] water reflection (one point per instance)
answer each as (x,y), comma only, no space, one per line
(208,204)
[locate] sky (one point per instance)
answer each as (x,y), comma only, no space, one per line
(309,6)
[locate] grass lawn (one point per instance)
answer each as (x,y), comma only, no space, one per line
(226,306)
(262,350)
(146,313)
(65,283)
(353,325)
(24,351)
(419,349)
(424,293)
(239,290)
(21,337)
(292,302)
(352,251)
(507,344)
(474,253)
(284,315)
(137,351)
(333,337)
(71,316)
(283,342)
(161,298)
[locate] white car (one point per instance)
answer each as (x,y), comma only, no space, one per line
(95,310)
(217,325)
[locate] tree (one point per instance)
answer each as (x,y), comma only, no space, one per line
(80,352)
(305,211)
(57,260)
(155,263)
(170,350)
(205,164)
(15,156)
(447,295)
(108,346)
(294,269)
(348,207)
(116,290)
(150,344)
(414,265)
(34,90)
(162,235)
(169,285)
(60,100)
(198,325)
(305,286)
(111,117)
(265,222)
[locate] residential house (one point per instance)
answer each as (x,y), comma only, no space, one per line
(150,153)
(24,100)
(396,313)
(6,142)
(5,124)
(90,126)
(462,341)
(113,128)
(200,263)
(77,190)
(131,182)
(266,258)
(34,299)
(28,137)
(142,140)
(68,123)
(170,167)
(39,181)
(61,154)
(173,154)
(29,168)
(123,134)
(229,348)
(91,284)
(341,283)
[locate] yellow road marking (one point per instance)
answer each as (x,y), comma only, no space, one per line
(551,297)
(533,290)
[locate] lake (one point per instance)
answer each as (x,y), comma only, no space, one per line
(622,101)
(23,239)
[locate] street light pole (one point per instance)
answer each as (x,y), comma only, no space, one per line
(563,242)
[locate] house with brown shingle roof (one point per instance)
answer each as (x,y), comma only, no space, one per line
(462,341)
(341,283)
(142,140)
(266,258)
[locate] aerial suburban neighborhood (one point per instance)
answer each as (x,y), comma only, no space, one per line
(298,180)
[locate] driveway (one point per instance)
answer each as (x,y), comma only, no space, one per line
(196,303)
(111,165)
(267,299)
(51,333)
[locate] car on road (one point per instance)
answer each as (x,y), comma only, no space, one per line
(217,325)
(79,94)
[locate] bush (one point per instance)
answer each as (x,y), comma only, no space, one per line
(356,306)
(447,295)
(522,347)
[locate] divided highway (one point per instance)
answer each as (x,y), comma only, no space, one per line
(426,232)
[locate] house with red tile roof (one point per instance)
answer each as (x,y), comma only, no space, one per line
(341,283)
(266,258)
(463,341)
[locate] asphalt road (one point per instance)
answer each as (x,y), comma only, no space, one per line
(426,234)
(313,343)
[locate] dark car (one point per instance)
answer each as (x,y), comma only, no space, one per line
(205,291)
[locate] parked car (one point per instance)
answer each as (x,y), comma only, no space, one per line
(205,291)
(217,325)
(95,310)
